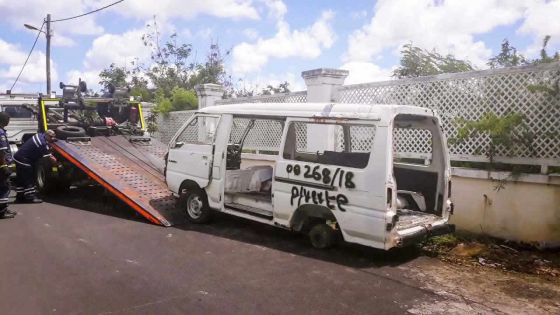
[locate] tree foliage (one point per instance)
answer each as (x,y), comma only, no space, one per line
(508,57)
(416,62)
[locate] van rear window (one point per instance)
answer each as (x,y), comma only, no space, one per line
(332,144)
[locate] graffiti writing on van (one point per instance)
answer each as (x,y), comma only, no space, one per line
(339,178)
(332,201)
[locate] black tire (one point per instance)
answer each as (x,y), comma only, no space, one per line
(63,132)
(195,204)
(46,181)
(322,236)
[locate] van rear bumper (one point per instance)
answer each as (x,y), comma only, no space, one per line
(425,233)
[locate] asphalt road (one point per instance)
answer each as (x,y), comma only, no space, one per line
(88,254)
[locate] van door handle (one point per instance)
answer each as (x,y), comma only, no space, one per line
(172,161)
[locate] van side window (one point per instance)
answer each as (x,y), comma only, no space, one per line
(263,137)
(201,130)
(333,144)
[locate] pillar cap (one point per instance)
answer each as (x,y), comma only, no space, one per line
(209,88)
(325,72)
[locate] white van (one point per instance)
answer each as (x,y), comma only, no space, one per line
(356,171)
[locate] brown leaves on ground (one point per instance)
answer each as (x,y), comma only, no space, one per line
(497,254)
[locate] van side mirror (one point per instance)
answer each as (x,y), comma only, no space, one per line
(178,144)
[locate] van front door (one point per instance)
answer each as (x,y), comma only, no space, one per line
(191,152)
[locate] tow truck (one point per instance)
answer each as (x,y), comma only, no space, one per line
(104,140)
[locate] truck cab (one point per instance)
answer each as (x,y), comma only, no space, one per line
(376,175)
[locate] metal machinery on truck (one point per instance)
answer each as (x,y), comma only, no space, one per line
(103,140)
(337,172)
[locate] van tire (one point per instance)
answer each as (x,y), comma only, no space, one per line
(63,132)
(195,204)
(322,236)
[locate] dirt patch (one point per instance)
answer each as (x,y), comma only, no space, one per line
(496,254)
(480,290)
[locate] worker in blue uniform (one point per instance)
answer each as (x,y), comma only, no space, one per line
(26,157)
(6,160)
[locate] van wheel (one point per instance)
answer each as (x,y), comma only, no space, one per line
(195,204)
(322,236)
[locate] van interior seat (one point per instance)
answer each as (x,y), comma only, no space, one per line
(252,179)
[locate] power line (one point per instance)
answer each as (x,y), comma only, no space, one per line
(28,55)
(97,10)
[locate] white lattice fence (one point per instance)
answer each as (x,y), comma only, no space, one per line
(169,124)
(469,96)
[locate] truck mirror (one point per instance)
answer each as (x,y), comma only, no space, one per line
(179,144)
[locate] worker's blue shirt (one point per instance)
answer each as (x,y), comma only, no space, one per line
(5,146)
(33,149)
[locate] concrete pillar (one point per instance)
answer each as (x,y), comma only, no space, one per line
(322,87)
(208,94)
(323,84)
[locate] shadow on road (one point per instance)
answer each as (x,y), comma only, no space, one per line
(94,199)
(246,231)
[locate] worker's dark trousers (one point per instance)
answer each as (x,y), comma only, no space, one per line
(4,193)
(25,182)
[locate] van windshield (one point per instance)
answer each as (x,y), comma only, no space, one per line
(330,143)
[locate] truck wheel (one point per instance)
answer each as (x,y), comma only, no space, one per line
(46,181)
(63,132)
(322,236)
(195,204)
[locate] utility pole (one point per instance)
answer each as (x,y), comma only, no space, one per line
(48,53)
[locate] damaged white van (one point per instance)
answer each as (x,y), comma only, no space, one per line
(376,175)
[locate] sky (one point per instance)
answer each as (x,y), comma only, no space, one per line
(271,41)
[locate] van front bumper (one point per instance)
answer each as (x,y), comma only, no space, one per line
(425,233)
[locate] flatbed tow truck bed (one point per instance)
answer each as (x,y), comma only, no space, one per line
(129,167)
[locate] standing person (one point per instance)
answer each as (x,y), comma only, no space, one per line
(26,157)
(5,161)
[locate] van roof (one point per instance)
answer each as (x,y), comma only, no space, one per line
(332,110)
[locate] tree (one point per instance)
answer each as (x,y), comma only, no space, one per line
(169,66)
(281,88)
(113,75)
(508,57)
(544,57)
(416,62)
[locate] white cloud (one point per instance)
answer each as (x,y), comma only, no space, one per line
(120,49)
(12,58)
(363,72)
(34,12)
(90,77)
(261,81)
(236,9)
(276,8)
(541,19)
(306,43)
(448,26)
(251,33)
(62,41)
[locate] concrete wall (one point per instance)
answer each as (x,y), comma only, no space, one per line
(526,210)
